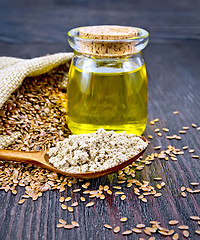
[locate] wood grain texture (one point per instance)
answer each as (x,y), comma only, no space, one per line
(172,62)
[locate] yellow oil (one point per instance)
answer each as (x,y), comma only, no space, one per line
(107,99)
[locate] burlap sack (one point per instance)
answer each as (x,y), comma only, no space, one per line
(14,70)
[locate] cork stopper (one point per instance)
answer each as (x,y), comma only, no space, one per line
(107,41)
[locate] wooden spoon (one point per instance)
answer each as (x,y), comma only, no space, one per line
(41,159)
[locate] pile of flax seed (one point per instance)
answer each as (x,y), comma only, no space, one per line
(34,119)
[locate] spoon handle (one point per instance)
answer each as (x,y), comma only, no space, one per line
(35,158)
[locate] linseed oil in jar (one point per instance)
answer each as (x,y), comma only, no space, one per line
(107,86)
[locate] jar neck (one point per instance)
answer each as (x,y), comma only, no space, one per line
(113,58)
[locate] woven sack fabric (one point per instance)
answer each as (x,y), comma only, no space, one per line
(14,70)
(12,73)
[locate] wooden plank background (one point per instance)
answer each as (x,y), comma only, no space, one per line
(35,28)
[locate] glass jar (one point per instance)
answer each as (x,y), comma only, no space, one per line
(107,90)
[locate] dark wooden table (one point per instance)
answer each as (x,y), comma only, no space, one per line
(35,28)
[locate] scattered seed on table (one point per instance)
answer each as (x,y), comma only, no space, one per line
(195,156)
(198,128)
(102,196)
(176,112)
(186,233)
(183,188)
(185,128)
(62,199)
(123,197)
(170,232)
(194,183)
(165,129)
(82,199)
(117,187)
(154,222)
(77,190)
(157,148)
(67,199)
(189,190)
(75,204)
(127,232)
(62,221)
(156,120)
(158,178)
(90,204)
(194,125)
(156,130)
(109,192)
(116,229)
(69,226)
(144,200)
(106,187)
(197,232)
(178,138)
(152,238)
(150,136)
(70,209)
(157,194)
(173,222)
(63,206)
(74,223)
(140,225)
(147,232)
(183,194)
(21,201)
(183,227)
(175,236)
(185,147)
(182,132)
(164,233)
(159,134)
(135,230)
(195,218)
(123,219)
(60,225)
(107,226)
(191,151)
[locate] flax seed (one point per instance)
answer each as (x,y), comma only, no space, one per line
(67,199)
(173,222)
(123,197)
(21,201)
(197,232)
(165,129)
(183,227)
(116,229)
(82,199)
(140,226)
(63,206)
(75,224)
(127,232)
(90,204)
(186,233)
(124,219)
(60,225)
(135,230)
(176,112)
(195,218)
(69,226)
(75,204)
(108,226)
(62,221)
(175,236)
